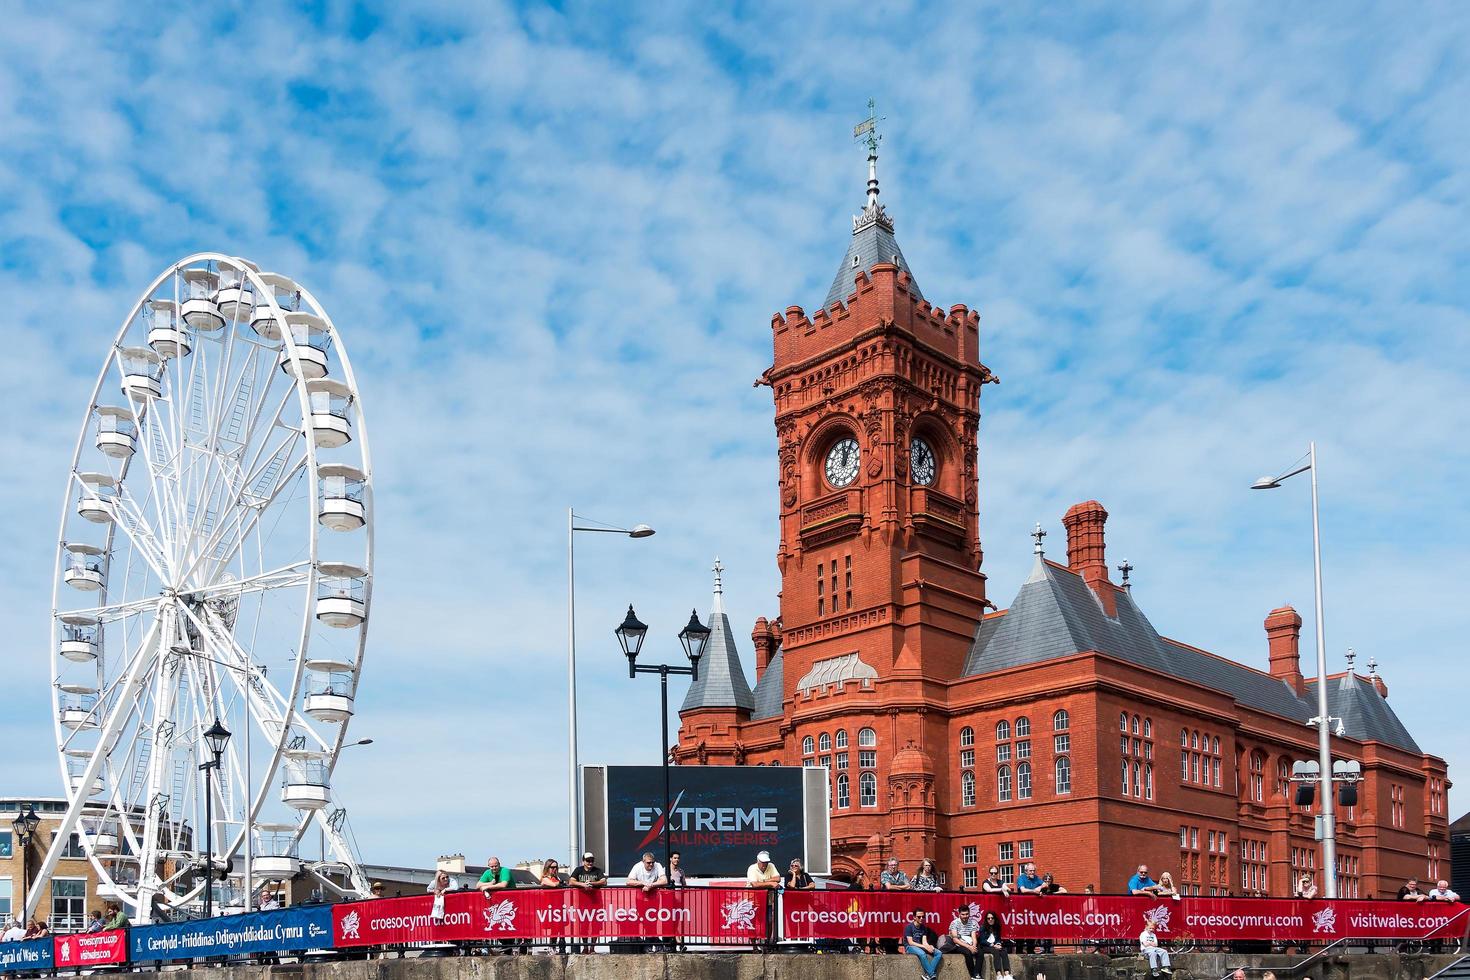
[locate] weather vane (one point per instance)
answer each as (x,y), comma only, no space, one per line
(1125,568)
(867,130)
(1038,534)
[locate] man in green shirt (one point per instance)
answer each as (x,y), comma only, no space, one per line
(495,877)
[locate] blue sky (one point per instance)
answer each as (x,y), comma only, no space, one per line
(1198,236)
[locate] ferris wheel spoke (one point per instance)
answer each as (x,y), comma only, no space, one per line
(115,611)
(151,466)
(250,518)
(284,577)
(130,520)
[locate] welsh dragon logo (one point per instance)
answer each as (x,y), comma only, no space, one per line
(501,916)
(739,913)
(1160,915)
(1325,920)
(351,923)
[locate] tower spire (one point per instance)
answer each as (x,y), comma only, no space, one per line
(1038,534)
(719,600)
(866,132)
(872,229)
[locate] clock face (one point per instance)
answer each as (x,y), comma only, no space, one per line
(921,462)
(842,463)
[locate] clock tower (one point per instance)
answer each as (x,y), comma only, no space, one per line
(877,409)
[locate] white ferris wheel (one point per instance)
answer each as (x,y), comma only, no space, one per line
(214,563)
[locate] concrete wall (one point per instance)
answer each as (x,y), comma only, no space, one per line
(759,966)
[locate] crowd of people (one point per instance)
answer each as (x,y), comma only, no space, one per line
(112,917)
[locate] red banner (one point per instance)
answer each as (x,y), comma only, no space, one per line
(92,948)
(713,915)
(881,915)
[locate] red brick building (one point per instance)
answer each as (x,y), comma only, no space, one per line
(1062,728)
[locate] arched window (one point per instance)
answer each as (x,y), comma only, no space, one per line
(1137,781)
(842,738)
(1126,784)
(1135,724)
(1148,781)
(867,789)
(1148,728)
(1023,781)
(1194,740)
(1184,737)
(1003,784)
(1023,726)
(1258,776)
(1215,745)
(1002,730)
(967,788)
(1283,778)
(807,746)
(843,797)
(967,736)
(867,738)
(1123,722)
(1064,775)
(824,742)
(775,762)
(1061,721)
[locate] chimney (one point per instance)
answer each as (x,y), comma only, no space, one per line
(764,638)
(1086,549)
(1283,639)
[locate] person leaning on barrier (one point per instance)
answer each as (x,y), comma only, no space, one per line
(993,885)
(587,878)
(892,878)
(961,938)
(14,934)
(763,873)
(377,890)
(1306,888)
(677,877)
(115,917)
(926,877)
(797,879)
(1411,893)
(495,877)
(94,924)
(1441,892)
(1142,884)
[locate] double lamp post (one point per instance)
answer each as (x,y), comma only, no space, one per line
(25,825)
(694,637)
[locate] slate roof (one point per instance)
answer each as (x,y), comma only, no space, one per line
(1057,615)
(872,243)
(721,682)
(769,695)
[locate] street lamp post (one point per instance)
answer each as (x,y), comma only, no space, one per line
(25,825)
(694,636)
(1324,749)
(216,737)
(574,795)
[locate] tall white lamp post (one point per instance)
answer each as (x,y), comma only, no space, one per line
(1324,750)
(574,795)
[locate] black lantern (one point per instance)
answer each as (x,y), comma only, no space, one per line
(630,635)
(695,637)
(26,824)
(217,736)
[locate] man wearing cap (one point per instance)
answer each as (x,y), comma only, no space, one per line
(763,873)
(378,890)
(587,877)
